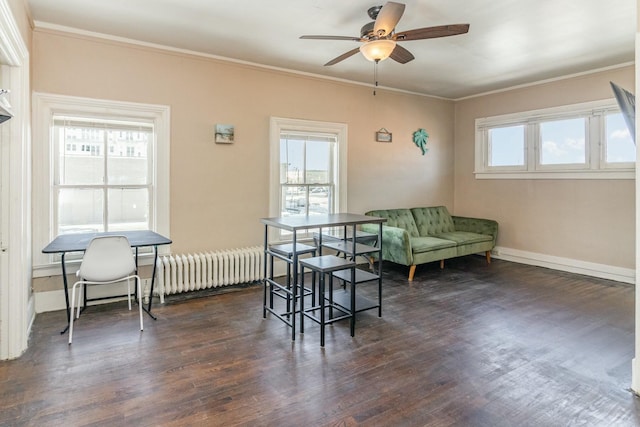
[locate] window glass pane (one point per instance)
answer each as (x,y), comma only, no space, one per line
(307,173)
(318,155)
(320,199)
(80,210)
(127,161)
(294,200)
(563,142)
(506,146)
(80,155)
(291,161)
(620,146)
(128,209)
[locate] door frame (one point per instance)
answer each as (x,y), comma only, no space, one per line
(16,299)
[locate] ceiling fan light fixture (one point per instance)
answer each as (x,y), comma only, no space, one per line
(377,50)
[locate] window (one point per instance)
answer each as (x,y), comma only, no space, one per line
(562,142)
(98,190)
(506,147)
(86,176)
(306,173)
(308,168)
(620,149)
(587,140)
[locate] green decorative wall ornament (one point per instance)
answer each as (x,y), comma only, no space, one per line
(420,138)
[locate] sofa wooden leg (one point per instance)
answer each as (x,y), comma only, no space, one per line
(488,254)
(412,271)
(441,264)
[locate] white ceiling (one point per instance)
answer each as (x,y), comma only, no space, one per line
(510,42)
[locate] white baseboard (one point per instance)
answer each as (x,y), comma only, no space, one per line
(54,300)
(602,271)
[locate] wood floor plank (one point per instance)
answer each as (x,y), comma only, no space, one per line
(473,344)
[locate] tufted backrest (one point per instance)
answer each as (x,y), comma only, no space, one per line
(433,220)
(401,218)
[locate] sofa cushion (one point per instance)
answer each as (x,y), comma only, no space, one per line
(465,237)
(401,218)
(433,220)
(426,244)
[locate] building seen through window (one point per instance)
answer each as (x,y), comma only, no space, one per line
(102,180)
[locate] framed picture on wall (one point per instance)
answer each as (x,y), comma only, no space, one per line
(383,135)
(224,134)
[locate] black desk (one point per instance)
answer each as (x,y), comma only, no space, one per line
(78,243)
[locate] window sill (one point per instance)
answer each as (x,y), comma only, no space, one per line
(599,174)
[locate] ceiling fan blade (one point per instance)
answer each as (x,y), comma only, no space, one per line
(388,18)
(432,32)
(343,57)
(355,39)
(401,55)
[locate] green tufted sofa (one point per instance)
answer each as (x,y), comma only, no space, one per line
(420,235)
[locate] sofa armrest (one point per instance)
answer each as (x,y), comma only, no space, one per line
(477,225)
(396,245)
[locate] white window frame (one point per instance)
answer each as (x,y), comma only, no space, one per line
(603,148)
(537,141)
(277,125)
(45,106)
(595,166)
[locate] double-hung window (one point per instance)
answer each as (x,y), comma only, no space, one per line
(308,168)
(102,177)
(99,166)
(307,173)
(589,140)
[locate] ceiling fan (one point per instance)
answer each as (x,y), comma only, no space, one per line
(379,37)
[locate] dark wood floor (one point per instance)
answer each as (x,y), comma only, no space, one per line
(473,345)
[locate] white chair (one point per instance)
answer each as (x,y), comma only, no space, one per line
(108,259)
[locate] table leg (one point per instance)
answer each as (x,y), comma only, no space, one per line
(352,321)
(322,315)
(301,299)
(380,271)
(66,292)
(264,271)
(153,280)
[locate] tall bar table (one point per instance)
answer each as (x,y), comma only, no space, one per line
(295,224)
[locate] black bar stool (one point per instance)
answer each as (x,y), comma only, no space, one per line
(288,291)
(324,265)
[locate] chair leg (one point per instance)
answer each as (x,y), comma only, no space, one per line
(488,255)
(73,301)
(129,292)
(301,299)
(81,292)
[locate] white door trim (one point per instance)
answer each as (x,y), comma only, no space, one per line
(16,302)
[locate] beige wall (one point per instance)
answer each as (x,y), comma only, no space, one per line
(219,192)
(586,220)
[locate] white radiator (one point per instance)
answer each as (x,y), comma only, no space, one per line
(186,273)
